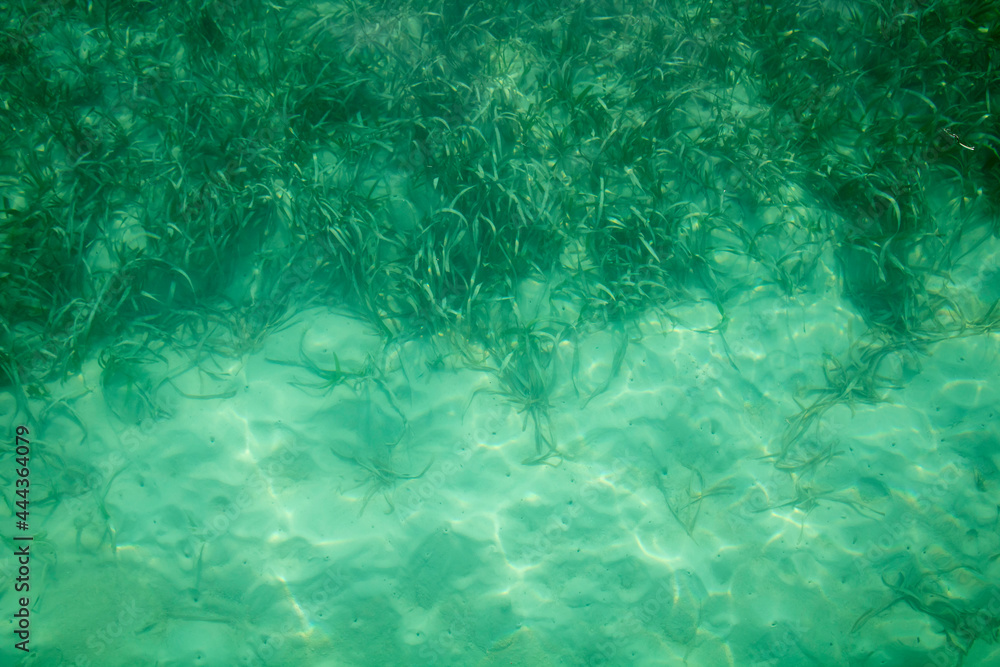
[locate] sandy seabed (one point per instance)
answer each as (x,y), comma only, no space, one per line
(292,507)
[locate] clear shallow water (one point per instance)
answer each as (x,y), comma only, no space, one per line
(537,335)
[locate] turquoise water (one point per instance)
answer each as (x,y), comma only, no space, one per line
(441,333)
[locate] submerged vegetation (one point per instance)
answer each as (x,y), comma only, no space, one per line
(419,161)
(504,177)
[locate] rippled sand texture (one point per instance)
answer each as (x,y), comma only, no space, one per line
(478,334)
